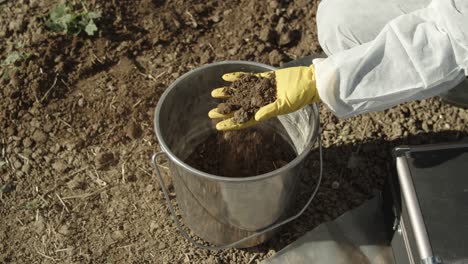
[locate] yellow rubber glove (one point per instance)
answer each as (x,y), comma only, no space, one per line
(295,88)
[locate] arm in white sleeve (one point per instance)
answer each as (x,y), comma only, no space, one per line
(415,56)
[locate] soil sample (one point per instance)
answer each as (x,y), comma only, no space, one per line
(241,153)
(248,94)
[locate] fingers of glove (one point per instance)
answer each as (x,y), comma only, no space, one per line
(233,76)
(268,111)
(265,74)
(213,114)
(219,93)
(230,124)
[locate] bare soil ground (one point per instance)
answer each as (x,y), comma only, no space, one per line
(76,127)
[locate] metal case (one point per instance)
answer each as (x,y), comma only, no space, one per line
(427,199)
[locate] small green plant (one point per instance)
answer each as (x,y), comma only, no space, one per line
(35,204)
(12,61)
(63,18)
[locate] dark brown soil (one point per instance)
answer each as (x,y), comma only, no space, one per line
(247,95)
(241,153)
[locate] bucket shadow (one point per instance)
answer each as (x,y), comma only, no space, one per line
(352,174)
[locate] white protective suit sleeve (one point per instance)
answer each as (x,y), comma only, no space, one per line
(415,56)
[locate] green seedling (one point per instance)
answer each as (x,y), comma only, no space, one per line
(12,61)
(7,187)
(64,19)
(35,204)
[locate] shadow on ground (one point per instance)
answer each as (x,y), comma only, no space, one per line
(352,174)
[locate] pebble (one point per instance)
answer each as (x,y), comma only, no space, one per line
(60,166)
(153,226)
(39,225)
(17,24)
(273,4)
(26,168)
(215,18)
(267,34)
(17,164)
(232,51)
(64,230)
(275,57)
(149,188)
(162,245)
(27,142)
(335,185)
(39,136)
(117,235)
(81,102)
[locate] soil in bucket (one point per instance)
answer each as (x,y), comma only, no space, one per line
(241,153)
(247,95)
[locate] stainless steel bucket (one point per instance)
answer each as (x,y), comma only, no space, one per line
(224,210)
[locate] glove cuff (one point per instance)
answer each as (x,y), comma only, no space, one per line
(314,98)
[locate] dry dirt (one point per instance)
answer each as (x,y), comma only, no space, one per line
(241,153)
(247,95)
(76,127)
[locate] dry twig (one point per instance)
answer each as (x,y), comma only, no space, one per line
(61,201)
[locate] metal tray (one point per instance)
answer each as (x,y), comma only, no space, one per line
(428,197)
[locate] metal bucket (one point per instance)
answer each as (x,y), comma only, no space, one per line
(227,211)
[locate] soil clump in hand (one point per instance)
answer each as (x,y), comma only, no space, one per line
(247,96)
(241,153)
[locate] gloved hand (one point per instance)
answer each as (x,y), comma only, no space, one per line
(295,88)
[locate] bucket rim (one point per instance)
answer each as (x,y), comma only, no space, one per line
(197,172)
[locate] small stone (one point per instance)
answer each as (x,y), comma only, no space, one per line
(241,116)
(26,168)
(149,188)
(39,225)
(17,24)
(224,108)
(335,185)
(215,18)
(39,136)
(153,226)
(275,57)
(27,142)
(10,131)
(81,102)
(281,26)
(273,4)
(64,230)
(14,80)
(60,166)
(17,164)
(211,260)
(425,127)
(232,51)
(270,253)
(117,235)
(162,245)
(285,39)
(267,35)
(261,47)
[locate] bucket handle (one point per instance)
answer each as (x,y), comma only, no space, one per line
(233,244)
